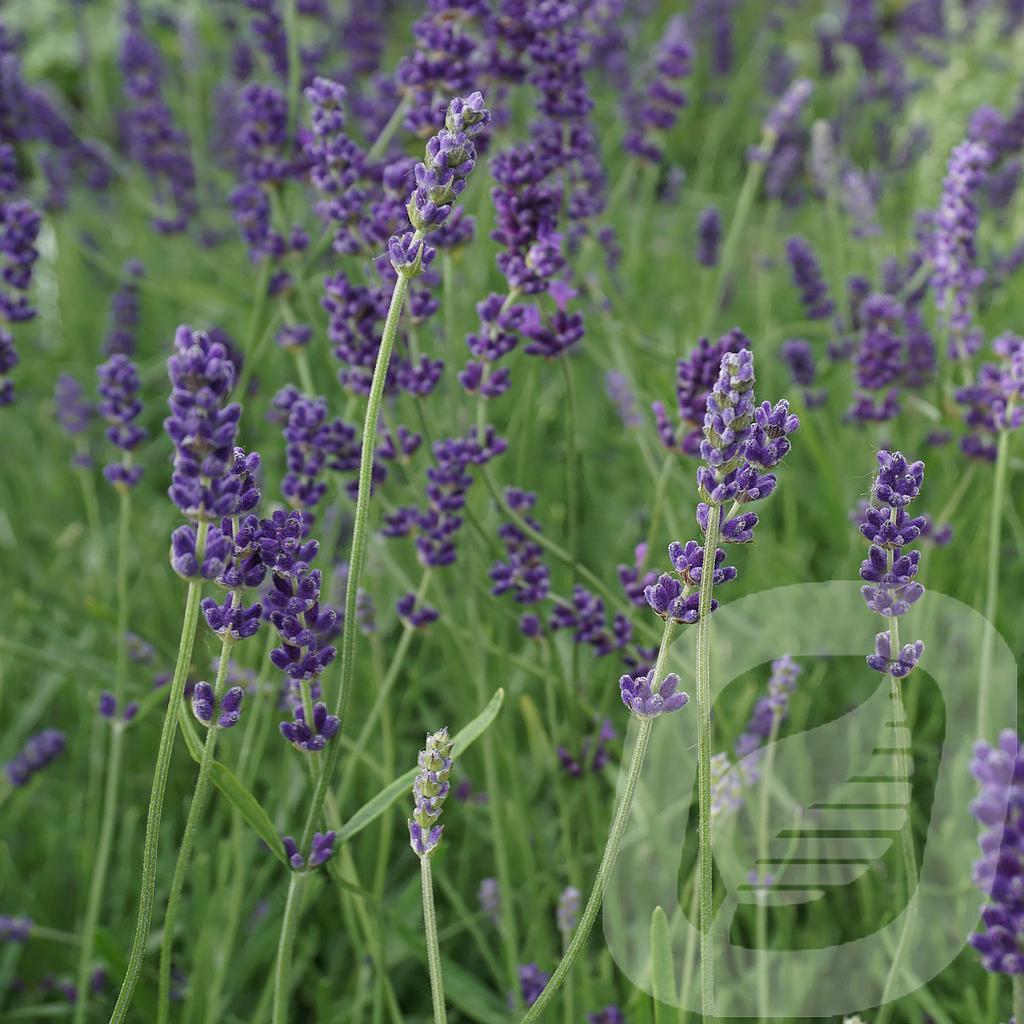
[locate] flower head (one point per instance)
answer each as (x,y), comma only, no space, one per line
(429,790)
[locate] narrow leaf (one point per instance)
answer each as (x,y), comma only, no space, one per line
(248,807)
(663,987)
(376,806)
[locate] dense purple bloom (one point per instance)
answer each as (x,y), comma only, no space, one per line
(784,114)
(880,358)
(999,871)
(695,376)
(587,619)
(38,752)
(205,705)
(798,356)
(429,790)
(524,573)
(889,570)
(147,126)
(19,228)
(770,711)
(808,279)
(202,426)
(994,401)
(74,413)
(440,178)
(953,250)
(657,110)
(593,755)
(304,737)
(313,443)
(124,312)
(709,236)
(120,407)
(531,982)
(646,700)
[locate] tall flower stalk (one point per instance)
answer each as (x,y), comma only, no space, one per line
(202,426)
(441,177)
(119,386)
(890,590)
(742,440)
(212,706)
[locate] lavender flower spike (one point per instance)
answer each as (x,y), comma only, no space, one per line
(440,178)
(37,753)
(890,570)
(429,789)
(645,702)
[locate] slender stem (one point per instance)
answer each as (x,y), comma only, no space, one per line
(704,745)
(1018,998)
(611,850)
(572,501)
(357,557)
(755,171)
(761,916)
(195,813)
(433,950)
(995,532)
(151,848)
(291,28)
(388,131)
(285,945)
(97,883)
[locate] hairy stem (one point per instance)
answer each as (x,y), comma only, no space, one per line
(433,949)
(704,743)
(195,813)
(285,946)
(761,910)
(151,849)
(357,556)
(611,850)
(995,531)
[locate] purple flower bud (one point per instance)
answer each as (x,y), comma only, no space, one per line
(639,695)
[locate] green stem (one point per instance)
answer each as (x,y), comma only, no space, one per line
(291,28)
(433,949)
(357,557)
(761,915)
(704,745)
(572,502)
(195,813)
(751,183)
(151,848)
(285,946)
(611,850)
(97,883)
(995,532)
(1018,998)
(388,131)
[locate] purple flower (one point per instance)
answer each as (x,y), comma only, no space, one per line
(953,245)
(36,754)
(586,617)
(412,616)
(152,138)
(531,982)
(567,914)
(489,895)
(439,179)
(321,849)
(709,236)
(202,426)
(15,929)
(808,279)
(656,112)
(889,570)
(124,312)
(429,790)
(609,1015)
(769,712)
(994,402)
(120,407)
(310,738)
(639,695)
(999,871)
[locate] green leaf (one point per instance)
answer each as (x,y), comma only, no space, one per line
(375,807)
(663,986)
(248,807)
